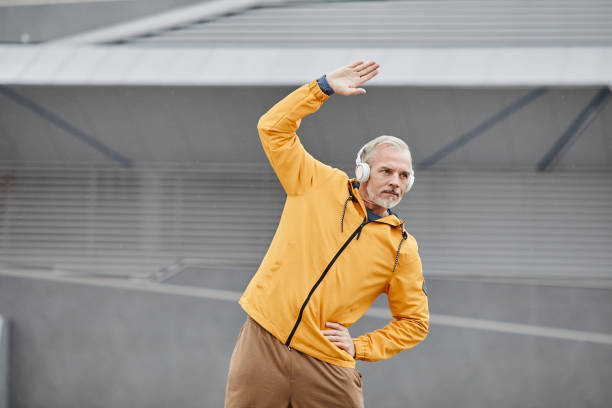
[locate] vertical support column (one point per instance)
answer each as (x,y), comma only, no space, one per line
(4,361)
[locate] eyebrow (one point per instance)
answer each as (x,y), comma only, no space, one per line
(383,167)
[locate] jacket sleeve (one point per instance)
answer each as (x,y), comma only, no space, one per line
(409,308)
(296,169)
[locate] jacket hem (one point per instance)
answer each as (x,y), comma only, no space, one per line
(268,326)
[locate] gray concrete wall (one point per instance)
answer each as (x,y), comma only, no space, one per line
(219,124)
(77,345)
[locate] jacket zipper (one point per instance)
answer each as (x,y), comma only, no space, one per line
(299,318)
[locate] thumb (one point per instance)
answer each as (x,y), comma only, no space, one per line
(355,91)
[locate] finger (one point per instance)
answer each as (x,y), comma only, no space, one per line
(368,77)
(336,339)
(363,65)
(368,69)
(336,326)
(334,333)
(368,66)
(363,80)
(342,347)
(355,64)
(358,91)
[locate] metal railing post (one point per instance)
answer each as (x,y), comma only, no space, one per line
(4,361)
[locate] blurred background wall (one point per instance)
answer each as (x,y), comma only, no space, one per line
(136,202)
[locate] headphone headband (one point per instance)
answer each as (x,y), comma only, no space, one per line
(359,154)
(362,169)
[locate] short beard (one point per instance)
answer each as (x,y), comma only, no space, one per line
(388,203)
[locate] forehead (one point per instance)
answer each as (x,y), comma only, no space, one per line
(392,157)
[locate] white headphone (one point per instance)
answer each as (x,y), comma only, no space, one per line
(362,170)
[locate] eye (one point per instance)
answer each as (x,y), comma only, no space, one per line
(405,175)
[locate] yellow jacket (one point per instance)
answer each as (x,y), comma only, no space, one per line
(325,263)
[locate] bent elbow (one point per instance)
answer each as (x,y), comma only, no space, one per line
(425,330)
(422,330)
(263,124)
(260,125)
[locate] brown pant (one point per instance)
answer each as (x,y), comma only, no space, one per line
(263,372)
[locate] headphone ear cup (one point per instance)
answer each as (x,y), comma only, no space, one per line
(362,172)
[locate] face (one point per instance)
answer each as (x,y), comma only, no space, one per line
(390,170)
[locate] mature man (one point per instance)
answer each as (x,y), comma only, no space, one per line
(337,247)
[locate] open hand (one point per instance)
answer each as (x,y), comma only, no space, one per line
(340,336)
(346,80)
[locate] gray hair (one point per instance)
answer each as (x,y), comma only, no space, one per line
(370,148)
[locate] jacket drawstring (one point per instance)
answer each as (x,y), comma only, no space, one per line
(349,198)
(404,237)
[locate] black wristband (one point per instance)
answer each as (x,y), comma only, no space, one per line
(324,85)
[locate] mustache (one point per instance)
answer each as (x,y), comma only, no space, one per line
(391,191)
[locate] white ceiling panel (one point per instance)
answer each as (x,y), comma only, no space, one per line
(96,65)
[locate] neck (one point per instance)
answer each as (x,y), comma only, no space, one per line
(375,208)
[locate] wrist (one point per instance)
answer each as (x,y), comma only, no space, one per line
(358,349)
(325,86)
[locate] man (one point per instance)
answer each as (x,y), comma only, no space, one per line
(337,247)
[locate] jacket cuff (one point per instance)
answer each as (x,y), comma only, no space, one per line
(315,89)
(360,351)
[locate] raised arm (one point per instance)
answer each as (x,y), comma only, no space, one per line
(296,169)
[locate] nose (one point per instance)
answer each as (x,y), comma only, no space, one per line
(394,181)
